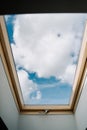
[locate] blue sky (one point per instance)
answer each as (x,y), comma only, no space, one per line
(10,28)
(46,54)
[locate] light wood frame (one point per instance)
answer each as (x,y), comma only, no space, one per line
(8,62)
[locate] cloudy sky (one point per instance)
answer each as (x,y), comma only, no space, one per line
(46,48)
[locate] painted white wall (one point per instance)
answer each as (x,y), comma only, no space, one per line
(81,111)
(47,122)
(8,110)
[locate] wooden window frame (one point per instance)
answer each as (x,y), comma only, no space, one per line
(8,63)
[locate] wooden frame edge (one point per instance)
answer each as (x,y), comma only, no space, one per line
(81,87)
(7,66)
(80,69)
(54,112)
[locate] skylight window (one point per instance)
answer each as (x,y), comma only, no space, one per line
(45,49)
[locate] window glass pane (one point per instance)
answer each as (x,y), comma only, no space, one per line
(46,48)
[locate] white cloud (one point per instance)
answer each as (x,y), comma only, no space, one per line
(45,42)
(69,74)
(37,96)
(27,86)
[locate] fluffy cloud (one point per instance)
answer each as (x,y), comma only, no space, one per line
(37,96)
(44,43)
(68,75)
(27,86)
